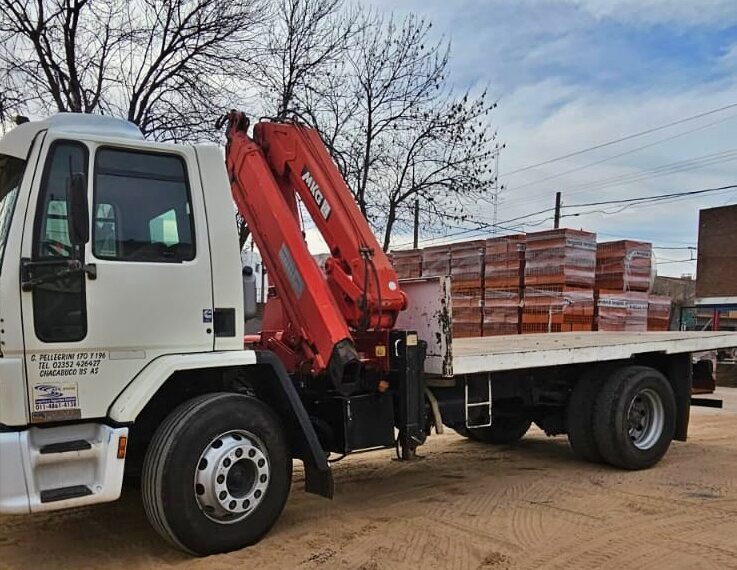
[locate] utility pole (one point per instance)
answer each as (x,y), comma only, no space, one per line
(494,218)
(417,223)
(556,222)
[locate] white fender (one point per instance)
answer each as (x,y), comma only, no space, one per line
(139,392)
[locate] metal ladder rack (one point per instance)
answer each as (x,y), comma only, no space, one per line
(471,403)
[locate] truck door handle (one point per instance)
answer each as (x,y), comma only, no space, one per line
(90,270)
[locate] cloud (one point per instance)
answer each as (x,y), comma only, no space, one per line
(729,59)
(575,73)
(680,13)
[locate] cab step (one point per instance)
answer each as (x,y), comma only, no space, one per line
(65,446)
(64,493)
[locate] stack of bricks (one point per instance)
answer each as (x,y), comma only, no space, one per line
(623,278)
(466,302)
(624,265)
(467,287)
(550,281)
(436,261)
(501,312)
(622,311)
(407,263)
(503,280)
(559,276)
(467,312)
(658,313)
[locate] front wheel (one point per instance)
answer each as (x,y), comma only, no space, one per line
(217,473)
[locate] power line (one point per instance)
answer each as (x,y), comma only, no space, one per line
(622,139)
(625,153)
(642,201)
(658,196)
(664,169)
(545,211)
(668,261)
(644,204)
(630,237)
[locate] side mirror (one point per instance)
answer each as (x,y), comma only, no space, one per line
(78,214)
(250,308)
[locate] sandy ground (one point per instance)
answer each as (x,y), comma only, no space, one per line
(464,506)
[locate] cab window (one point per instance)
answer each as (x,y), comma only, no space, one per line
(142,207)
(59,303)
(51,227)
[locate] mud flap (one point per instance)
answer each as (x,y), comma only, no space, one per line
(318,475)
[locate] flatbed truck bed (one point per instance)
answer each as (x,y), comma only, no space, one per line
(620,397)
(515,352)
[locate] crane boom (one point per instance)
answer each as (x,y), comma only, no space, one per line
(317,321)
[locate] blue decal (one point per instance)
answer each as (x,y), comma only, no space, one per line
(49,392)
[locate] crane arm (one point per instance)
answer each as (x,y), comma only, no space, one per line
(359,273)
(313,332)
(330,322)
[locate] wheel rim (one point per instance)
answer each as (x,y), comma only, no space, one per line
(231,476)
(645,419)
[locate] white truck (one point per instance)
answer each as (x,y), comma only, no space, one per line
(122,351)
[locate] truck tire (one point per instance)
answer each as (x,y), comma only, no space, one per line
(217,473)
(503,430)
(580,418)
(634,417)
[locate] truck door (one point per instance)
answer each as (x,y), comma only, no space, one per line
(142,287)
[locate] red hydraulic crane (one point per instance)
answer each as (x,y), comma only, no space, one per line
(337,321)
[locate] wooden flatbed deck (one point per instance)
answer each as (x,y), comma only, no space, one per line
(515,352)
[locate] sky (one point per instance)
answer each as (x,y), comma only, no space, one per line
(572,74)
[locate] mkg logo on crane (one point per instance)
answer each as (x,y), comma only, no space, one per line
(317,194)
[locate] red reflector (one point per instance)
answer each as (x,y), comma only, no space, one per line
(122,445)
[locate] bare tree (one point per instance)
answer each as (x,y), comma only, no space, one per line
(56,52)
(169,66)
(398,133)
(187,59)
(397,71)
(9,101)
(444,162)
(301,45)
(376,88)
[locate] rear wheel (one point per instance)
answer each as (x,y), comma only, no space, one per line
(635,417)
(217,473)
(503,430)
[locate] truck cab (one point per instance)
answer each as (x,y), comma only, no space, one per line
(152,286)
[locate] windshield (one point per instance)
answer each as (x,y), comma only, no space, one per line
(11,175)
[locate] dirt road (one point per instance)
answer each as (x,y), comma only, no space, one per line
(465,506)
